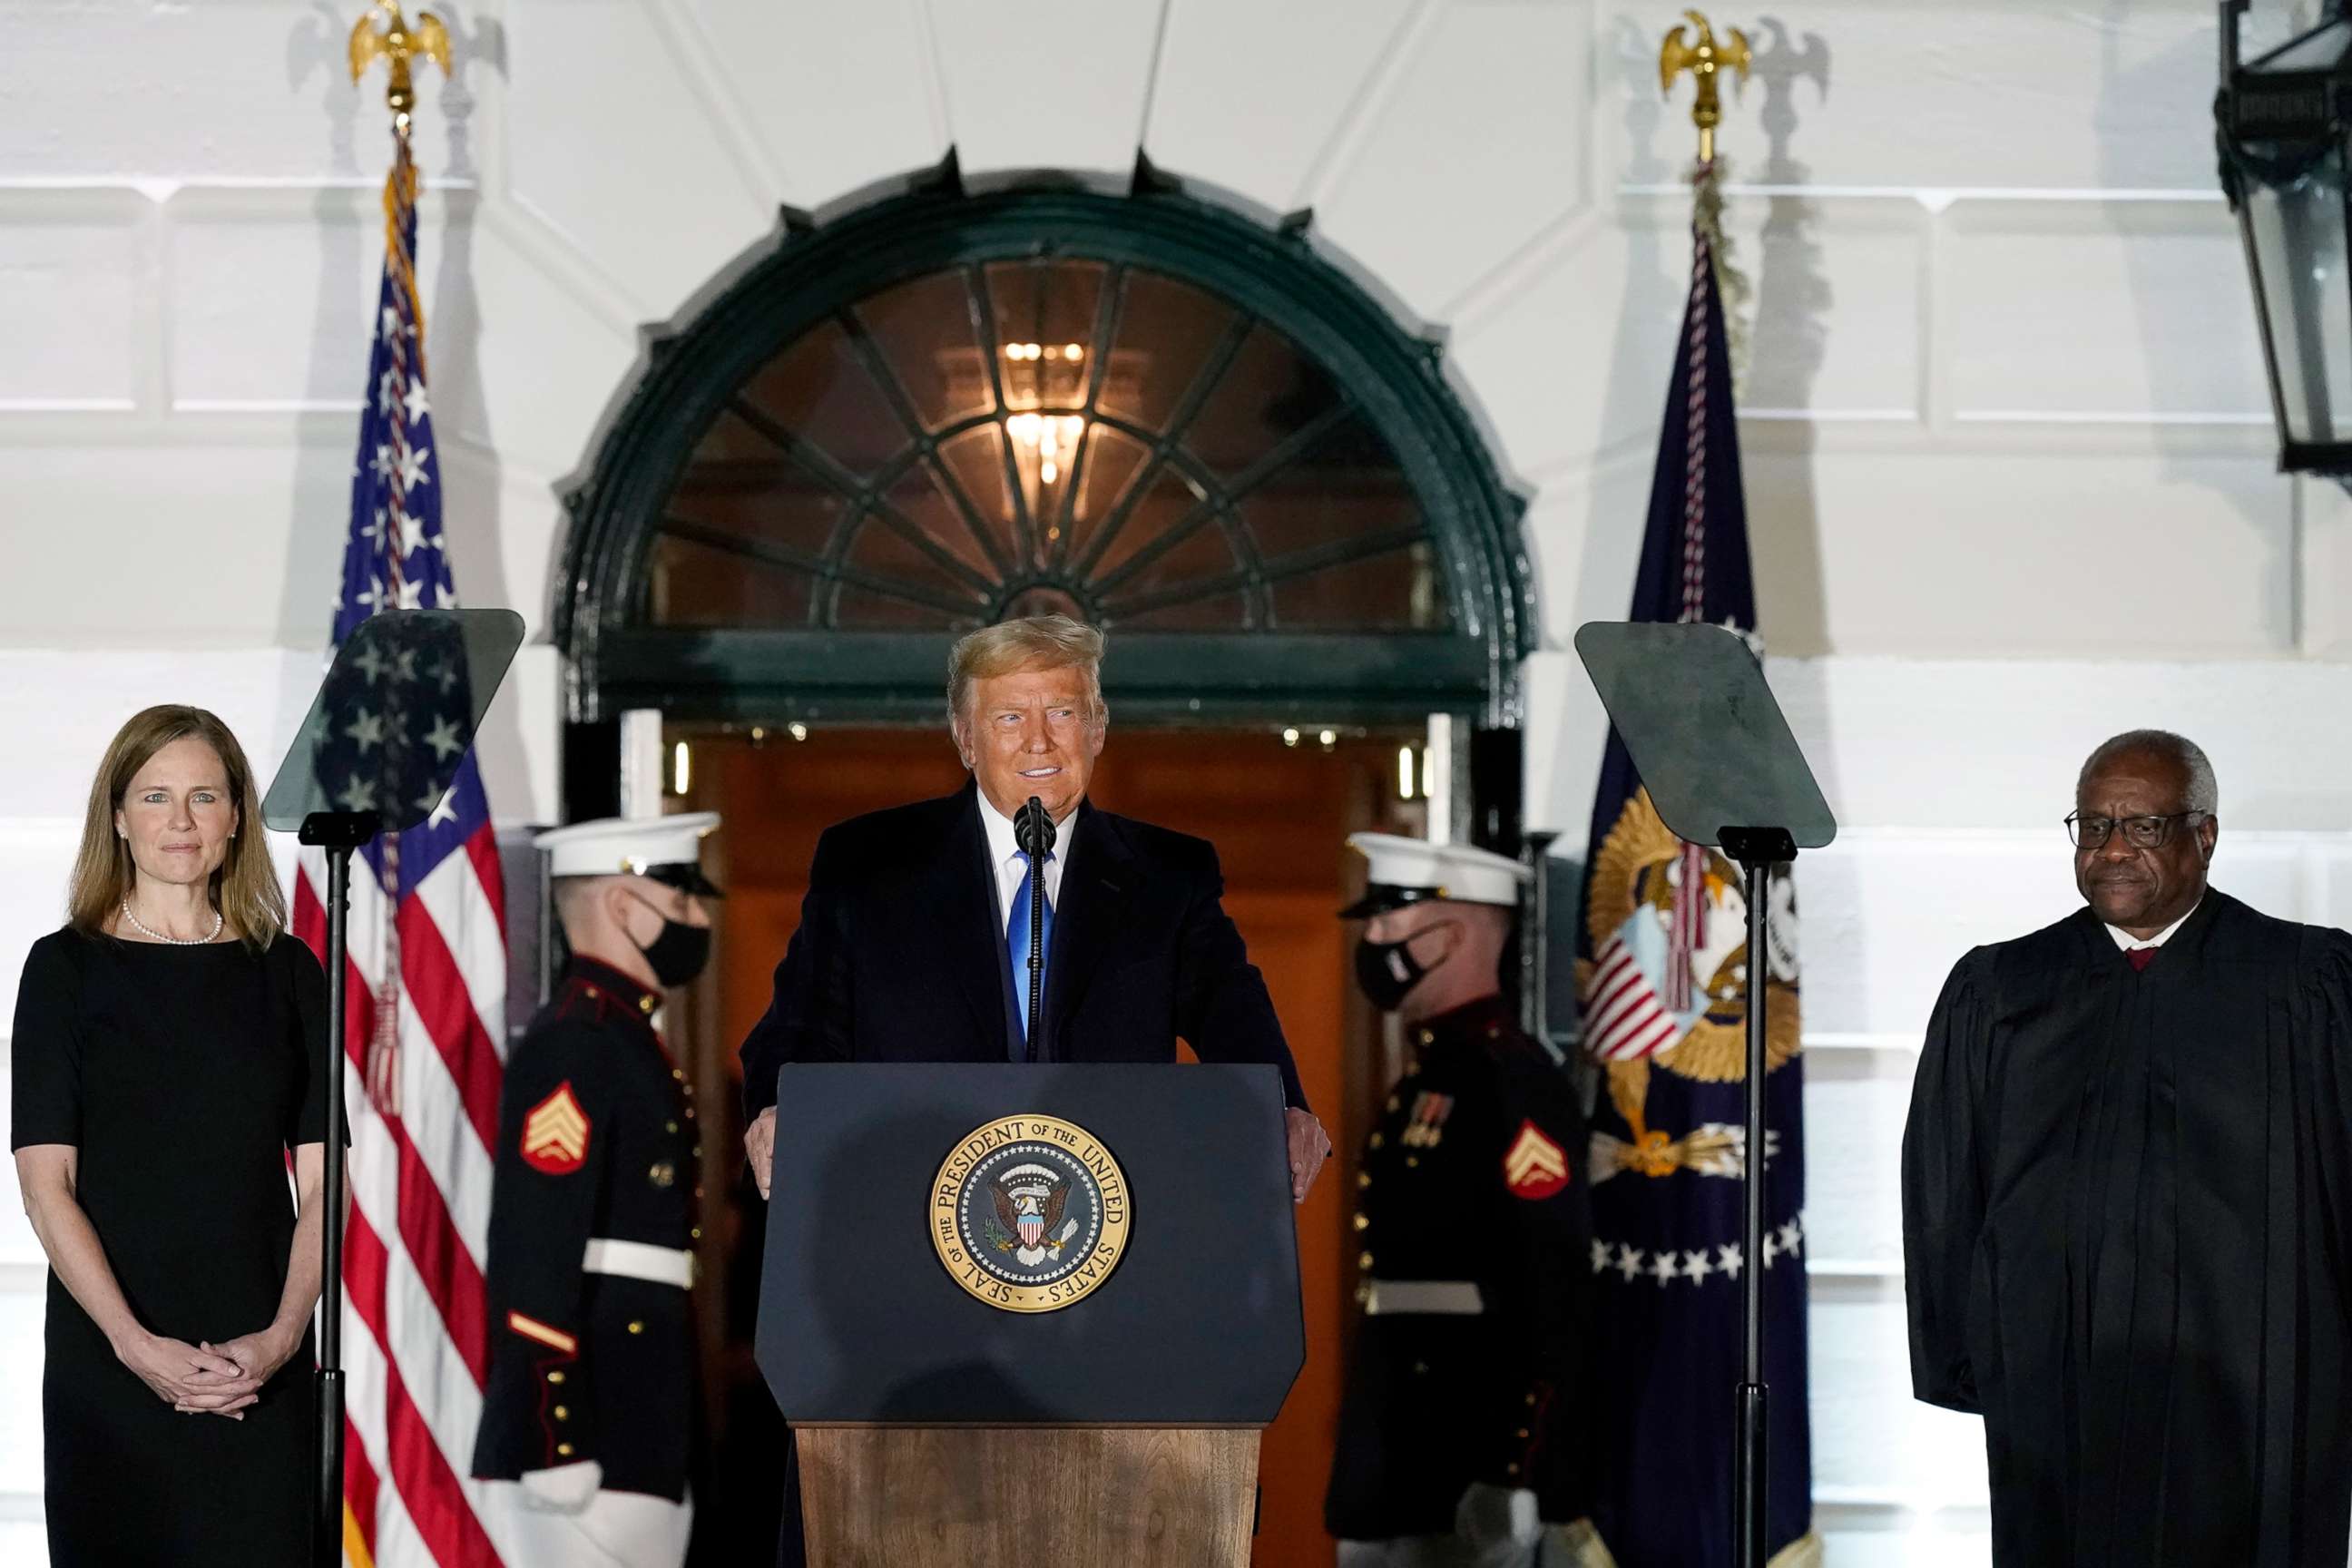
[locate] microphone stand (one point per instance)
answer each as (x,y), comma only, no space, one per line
(340,833)
(1758,850)
(1034,830)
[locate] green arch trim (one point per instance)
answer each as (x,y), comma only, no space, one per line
(1394,379)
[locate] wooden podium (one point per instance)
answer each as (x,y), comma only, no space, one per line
(1166,1497)
(938,1428)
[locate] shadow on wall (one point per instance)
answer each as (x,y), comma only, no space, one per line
(1788,341)
(315,48)
(471,472)
(2133,118)
(1788,333)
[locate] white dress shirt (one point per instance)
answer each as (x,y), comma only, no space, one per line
(1004,855)
(2124,939)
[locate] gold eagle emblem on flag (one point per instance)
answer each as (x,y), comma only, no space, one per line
(1667,982)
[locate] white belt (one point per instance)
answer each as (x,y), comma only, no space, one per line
(637,1260)
(1449,1298)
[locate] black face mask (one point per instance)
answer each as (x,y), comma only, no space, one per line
(1387,971)
(679,953)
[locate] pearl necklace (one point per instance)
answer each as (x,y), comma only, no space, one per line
(141,926)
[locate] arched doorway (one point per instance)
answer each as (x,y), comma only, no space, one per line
(1141,409)
(946,406)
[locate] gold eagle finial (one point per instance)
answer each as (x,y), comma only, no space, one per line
(399,43)
(1704,59)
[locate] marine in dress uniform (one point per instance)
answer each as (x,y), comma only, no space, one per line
(589,1408)
(1460,1430)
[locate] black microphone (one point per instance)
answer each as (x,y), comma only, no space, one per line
(1033,830)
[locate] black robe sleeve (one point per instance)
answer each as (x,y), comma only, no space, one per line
(2325,1097)
(809,1012)
(1222,1009)
(307,982)
(1944,1186)
(1540,1301)
(542,1216)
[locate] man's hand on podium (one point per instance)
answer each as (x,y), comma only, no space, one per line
(759,1147)
(1308,1149)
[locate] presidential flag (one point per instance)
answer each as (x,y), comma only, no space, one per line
(425,1023)
(1664,979)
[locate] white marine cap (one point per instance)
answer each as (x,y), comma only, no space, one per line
(1413,871)
(666,848)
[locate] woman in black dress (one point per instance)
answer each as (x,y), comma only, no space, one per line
(170,1042)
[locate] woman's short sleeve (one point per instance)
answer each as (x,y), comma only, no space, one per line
(308,985)
(45,1070)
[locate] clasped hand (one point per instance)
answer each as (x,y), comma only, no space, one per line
(206,1378)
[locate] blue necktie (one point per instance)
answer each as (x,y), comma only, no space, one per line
(1016,938)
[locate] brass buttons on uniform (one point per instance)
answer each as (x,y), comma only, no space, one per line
(1428,1036)
(1412,1161)
(1374,1141)
(696,1234)
(561,1414)
(1365,1262)
(1363,1222)
(1531,1399)
(679,1074)
(563,1450)
(1510,1469)
(1363,1179)
(555,1377)
(646,1004)
(1394,1103)
(636,1325)
(590,992)
(663,1174)
(1522,1432)
(1363,1294)
(669,1126)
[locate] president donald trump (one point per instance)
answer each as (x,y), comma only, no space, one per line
(914,938)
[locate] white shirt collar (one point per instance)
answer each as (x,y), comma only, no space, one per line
(1004,854)
(2124,939)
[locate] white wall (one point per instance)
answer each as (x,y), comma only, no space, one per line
(2007,467)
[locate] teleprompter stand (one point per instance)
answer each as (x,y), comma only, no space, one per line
(1723,770)
(376,754)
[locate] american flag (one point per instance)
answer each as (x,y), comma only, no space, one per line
(425,1022)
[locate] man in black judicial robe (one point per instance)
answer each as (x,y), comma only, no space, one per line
(2127,1203)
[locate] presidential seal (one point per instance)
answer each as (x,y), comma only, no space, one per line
(1029,1214)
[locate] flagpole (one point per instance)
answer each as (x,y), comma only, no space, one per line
(1758,850)
(341,833)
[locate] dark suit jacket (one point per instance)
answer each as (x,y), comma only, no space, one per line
(901,955)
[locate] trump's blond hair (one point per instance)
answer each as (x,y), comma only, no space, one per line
(1034,642)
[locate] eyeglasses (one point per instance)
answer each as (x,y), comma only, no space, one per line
(2139,832)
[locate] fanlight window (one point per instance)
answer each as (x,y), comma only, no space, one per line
(1009,437)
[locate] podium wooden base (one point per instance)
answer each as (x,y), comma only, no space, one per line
(1011,1497)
